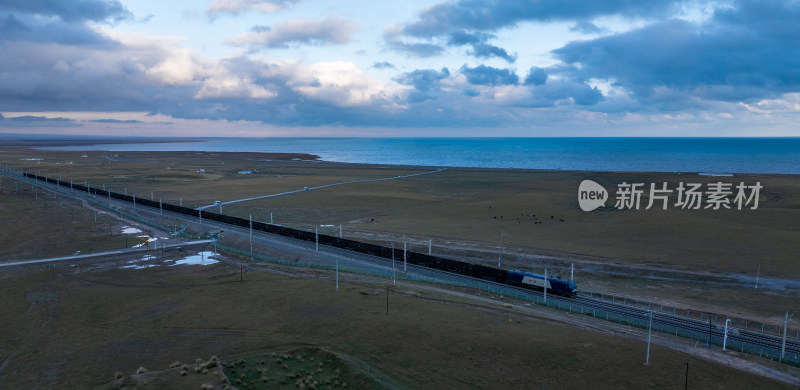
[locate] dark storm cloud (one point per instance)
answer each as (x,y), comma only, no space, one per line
(744,53)
(70,10)
(487,75)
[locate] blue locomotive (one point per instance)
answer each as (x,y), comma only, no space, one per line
(558,286)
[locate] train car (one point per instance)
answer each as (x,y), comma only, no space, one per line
(558,286)
(514,277)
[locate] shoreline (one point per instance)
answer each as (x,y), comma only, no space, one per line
(308,157)
(630,155)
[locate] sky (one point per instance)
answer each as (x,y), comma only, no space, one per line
(405,68)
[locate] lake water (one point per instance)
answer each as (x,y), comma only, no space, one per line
(718,155)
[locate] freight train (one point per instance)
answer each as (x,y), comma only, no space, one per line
(514,277)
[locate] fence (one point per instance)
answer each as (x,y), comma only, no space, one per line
(572,306)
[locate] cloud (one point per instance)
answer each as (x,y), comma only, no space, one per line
(487,75)
(32,29)
(128,121)
(586,27)
(236,7)
(70,11)
(392,35)
(453,21)
(32,121)
(480,48)
(383,65)
(297,32)
(536,76)
(490,15)
(424,81)
(740,54)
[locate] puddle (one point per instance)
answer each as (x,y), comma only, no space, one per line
(202,258)
(133,265)
(130,230)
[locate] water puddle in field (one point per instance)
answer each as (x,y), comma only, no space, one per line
(202,258)
(133,263)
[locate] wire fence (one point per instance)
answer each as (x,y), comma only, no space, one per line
(637,321)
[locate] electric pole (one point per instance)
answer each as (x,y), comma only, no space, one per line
(649,331)
(500,257)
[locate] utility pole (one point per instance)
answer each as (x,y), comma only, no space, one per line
(394,282)
(151,196)
(251,237)
(180,201)
(708,342)
(500,257)
(429,247)
(785,328)
(686,382)
(544,285)
(572,271)
(160,206)
(337,274)
(316,237)
(649,330)
(758,273)
(200,214)
(134,201)
(340,230)
(220,207)
(270,219)
(725,335)
(405,258)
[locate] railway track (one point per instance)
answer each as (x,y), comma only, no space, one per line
(753,340)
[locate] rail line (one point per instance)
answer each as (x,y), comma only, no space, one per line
(755,342)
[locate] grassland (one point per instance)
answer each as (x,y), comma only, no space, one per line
(78,327)
(472,206)
(465,211)
(37,224)
(68,328)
